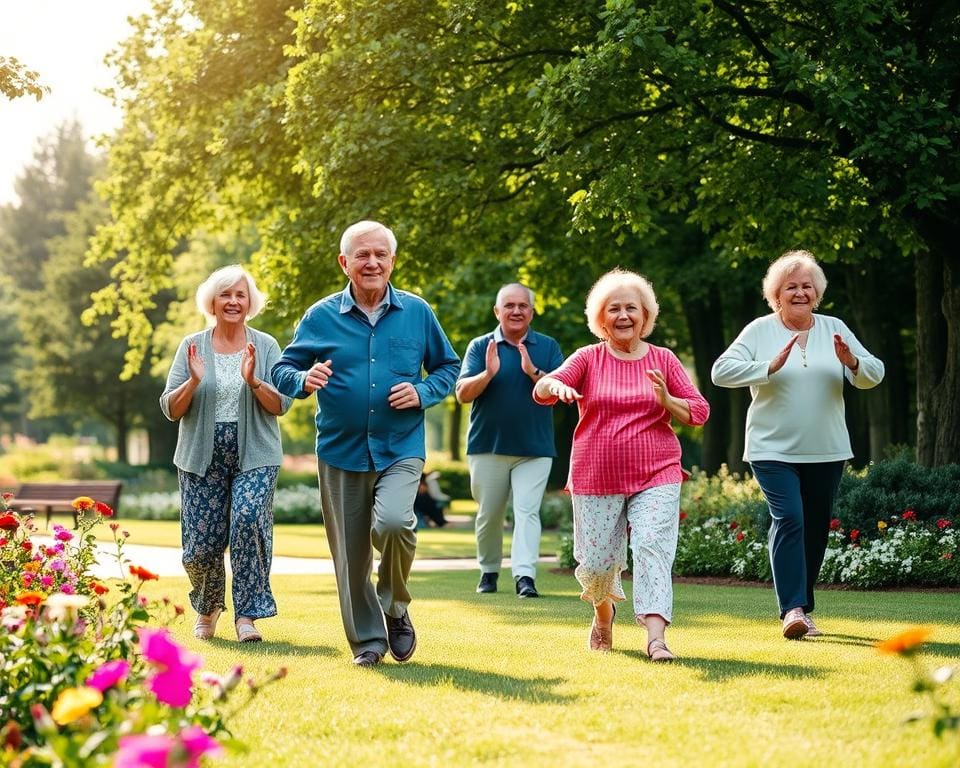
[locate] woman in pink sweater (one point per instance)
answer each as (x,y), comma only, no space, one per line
(625,462)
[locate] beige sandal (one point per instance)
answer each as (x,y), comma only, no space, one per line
(657,651)
(602,639)
(246,632)
(206,624)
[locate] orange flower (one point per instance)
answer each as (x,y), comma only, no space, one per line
(905,643)
(82,503)
(30,598)
(143,573)
(98,588)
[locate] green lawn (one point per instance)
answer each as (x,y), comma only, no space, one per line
(501,682)
(310,540)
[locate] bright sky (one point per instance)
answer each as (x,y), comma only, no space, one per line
(65,42)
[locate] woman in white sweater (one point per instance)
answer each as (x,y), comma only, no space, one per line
(795,362)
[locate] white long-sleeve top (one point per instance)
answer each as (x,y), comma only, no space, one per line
(797,414)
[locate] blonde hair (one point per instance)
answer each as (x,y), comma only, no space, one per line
(615,280)
(782,268)
(222,279)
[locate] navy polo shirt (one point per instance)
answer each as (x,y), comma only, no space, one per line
(504,419)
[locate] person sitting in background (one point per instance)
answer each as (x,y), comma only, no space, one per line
(430,502)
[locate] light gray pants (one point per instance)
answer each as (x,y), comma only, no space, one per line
(492,478)
(363,510)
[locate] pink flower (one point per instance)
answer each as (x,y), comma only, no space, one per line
(109,674)
(943,523)
(46,580)
(68,589)
(171,683)
(63,535)
(947,556)
(143,751)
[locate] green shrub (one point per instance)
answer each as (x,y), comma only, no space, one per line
(556,510)
(454,478)
(889,488)
(725,496)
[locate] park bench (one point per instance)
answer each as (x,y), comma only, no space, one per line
(56,498)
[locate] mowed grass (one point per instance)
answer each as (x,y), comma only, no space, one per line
(310,539)
(497,681)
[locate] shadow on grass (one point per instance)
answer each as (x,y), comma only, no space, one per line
(284,648)
(718,670)
(529,689)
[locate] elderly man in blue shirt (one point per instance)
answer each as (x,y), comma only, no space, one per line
(510,446)
(363,351)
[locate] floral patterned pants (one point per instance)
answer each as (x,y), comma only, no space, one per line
(600,547)
(229,507)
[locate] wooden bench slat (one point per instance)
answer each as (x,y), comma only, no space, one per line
(53,498)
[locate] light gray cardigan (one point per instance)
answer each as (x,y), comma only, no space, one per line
(258,434)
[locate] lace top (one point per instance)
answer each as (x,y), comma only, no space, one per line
(229,383)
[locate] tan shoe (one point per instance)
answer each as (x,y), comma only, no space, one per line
(246,632)
(206,624)
(812,630)
(657,651)
(601,639)
(794,626)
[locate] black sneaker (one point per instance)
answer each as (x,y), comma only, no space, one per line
(367,659)
(488,582)
(526,587)
(401,637)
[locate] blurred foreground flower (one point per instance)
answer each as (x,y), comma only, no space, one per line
(908,644)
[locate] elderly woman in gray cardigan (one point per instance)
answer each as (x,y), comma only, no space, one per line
(228,453)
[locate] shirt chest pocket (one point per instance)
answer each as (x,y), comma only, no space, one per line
(406,356)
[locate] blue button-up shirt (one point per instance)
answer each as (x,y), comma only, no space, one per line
(357,430)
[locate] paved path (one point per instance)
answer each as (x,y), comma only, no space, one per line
(165,561)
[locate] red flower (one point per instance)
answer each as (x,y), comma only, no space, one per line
(734,525)
(835,524)
(99,588)
(947,556)
(909,515)
(3,542)
(683,515)
(740,536)
(9,522)
(27,545)
(943,523)
(142,573)
(103,510)
(854,534)
(7,496)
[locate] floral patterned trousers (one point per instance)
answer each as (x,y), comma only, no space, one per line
(229,507)
(600,547)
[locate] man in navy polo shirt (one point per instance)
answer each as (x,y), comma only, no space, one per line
(510,445)
(363,351)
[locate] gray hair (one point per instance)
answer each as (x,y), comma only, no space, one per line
(361,228)
(503,288)
(612,281)
(219,281)
(782,268)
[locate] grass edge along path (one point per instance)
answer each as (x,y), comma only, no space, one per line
(498,681)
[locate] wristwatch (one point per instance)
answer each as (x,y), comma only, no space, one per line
(538,372)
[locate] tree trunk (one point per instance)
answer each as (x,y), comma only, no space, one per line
(937,273)
(706,338)
(453,438)
(122,431)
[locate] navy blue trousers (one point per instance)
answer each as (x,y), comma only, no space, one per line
(800,499)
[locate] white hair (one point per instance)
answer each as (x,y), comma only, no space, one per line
(361,228)
(515,285)
(615,280)
(219,281)
(786,265)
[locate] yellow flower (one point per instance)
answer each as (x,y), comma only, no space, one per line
(881,525)
(82,503)
(906,642)
(74,703)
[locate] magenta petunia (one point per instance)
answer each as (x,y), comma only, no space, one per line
(144,751)
(108,675)
(63,535)
(172,682)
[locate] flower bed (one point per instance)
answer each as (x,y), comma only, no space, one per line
(85,680)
